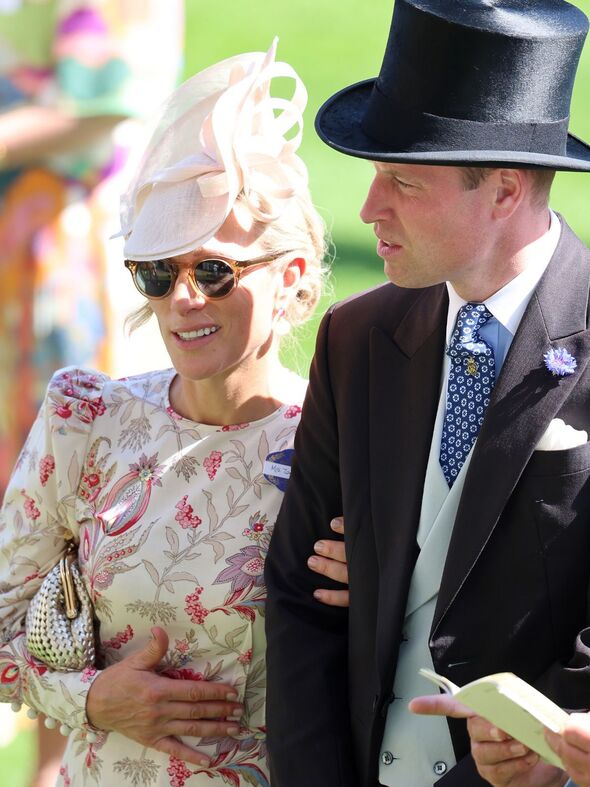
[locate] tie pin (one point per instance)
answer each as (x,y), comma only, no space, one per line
(471,365)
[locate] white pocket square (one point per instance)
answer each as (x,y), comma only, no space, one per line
(560,435)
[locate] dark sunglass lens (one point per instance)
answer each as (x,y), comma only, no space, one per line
(154,279)
(214,277)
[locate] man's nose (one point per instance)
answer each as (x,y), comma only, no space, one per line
(376,206)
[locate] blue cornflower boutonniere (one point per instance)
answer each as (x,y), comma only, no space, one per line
(559,362)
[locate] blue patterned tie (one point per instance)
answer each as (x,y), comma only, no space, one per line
(472,375)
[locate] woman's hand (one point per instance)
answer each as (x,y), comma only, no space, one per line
(131,698)
(330,560)
(573,747)
(500,760)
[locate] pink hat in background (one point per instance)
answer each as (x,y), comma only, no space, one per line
(218,135)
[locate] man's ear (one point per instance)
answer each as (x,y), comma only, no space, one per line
(509,188)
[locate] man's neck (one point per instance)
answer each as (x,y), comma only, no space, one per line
(514,251)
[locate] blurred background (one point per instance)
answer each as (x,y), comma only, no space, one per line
(331,44)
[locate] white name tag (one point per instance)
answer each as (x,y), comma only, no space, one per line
(276,470)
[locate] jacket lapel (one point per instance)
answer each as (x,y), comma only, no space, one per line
(525,399)
(405,372)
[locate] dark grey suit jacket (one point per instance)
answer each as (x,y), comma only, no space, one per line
(513,596)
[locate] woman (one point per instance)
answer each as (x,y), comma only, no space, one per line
(170,482)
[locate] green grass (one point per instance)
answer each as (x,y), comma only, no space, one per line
(331,44)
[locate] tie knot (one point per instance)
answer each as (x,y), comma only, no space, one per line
(465,338)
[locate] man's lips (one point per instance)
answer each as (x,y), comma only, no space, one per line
(387,249)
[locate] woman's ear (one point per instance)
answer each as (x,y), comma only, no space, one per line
(293,272)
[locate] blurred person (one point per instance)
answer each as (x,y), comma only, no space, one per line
(170,481)
(448,412)
(70,72)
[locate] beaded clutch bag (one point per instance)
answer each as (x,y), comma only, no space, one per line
(60,625)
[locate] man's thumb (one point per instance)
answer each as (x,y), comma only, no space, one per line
(154,651)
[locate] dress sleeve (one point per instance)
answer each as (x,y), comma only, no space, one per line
(116,58)
(39,509)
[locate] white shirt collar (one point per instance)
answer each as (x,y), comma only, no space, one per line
(509,304)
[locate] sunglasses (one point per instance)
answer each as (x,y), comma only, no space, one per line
(214,278)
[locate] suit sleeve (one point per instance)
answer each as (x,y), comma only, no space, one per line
(309,734)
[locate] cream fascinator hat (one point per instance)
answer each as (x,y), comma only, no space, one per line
(219,134)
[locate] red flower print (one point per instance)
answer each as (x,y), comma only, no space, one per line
(194,608)
(87,674)
(89,409)
(245,658)
(185,516)
(178,772)
(181,645)
(63,771)
(182,673)
(31,510)
(9,674)
(46,468)
(174,415)
(211,464)
(64,411)
(234,427)
(292,411)
(121,638)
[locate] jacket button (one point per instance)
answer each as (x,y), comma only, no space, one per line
(387,758)
(440,767)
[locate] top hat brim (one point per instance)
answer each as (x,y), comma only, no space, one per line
(339,123)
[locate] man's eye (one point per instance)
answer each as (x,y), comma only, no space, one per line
(403,184)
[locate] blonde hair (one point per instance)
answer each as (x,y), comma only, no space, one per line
(299,228)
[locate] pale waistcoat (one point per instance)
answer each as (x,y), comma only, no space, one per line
(417,750)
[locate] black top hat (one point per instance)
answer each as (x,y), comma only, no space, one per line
(468,82)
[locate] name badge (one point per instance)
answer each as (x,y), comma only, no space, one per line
(277,468)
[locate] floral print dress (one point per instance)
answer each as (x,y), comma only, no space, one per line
(173,520)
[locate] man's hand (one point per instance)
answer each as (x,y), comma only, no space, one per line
(131,698)
(500,760)
(573,747)
(330,560)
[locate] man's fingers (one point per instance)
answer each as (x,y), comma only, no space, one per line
(481,730)
(439,705)
(490,753)
(337,525)
(333,598)
(577,731)
(329,568)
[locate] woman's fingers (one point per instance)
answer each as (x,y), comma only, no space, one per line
(203,728)
(176,748)
(193,711)
(166,689)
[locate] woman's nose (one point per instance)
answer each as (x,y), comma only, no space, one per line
(185,293)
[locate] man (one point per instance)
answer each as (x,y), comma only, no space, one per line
(469,556)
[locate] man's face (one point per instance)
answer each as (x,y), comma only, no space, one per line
(430,228)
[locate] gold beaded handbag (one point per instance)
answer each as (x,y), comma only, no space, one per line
(60,627)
